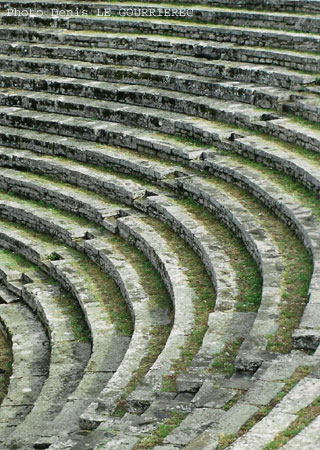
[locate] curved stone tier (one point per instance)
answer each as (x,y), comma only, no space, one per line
(160,224)
(31,353)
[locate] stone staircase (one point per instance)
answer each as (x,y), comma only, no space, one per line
(160,225)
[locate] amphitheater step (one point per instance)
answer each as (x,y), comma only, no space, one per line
(268,5)
(67,360)
(266,386)
(310,306)
(265,97)
(99,181)
(306,106)
(307,438)
(160,224)
(254,147)
(99,251)
(180,46)
(182,295)
(197,128)
(218,16)
(247,36)
(26,57)
(282,416)
(303,213)
(31,355)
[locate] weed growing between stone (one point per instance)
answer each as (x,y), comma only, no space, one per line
(163,429)
(200,282)
(297,266)
(305,417)
(299,374)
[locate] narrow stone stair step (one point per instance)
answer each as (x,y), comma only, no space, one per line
(156,86)
(79,202)
(182,295)
(307,439)
(280,417)
(103,361)
(251,146)
(262,389)
(119,137)
(268,5)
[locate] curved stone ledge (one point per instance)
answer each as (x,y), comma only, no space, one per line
(305,105)
(67,359)
(179,46)
(125,190)
(228,171)
(198,126)
(263,250)
(252,37)
(301,220)
(219,69)
(253,147)
(142,235)
(31,358)
(145,318)
(202,14)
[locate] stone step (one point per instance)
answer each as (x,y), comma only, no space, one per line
(262,390)
(223,277)
(154,92)
(230,17)
(31,359)
(264,251)
(247,36)
(91,241)
(308,6)
(130,87)
(149,118)
(120,371)
(67,360)
(124,190)
(80,202)
(104,359)
(294,215)
(213,416)
(249,146)
(306,225)
(308,438)
(47,54)
(111,262)
(165,261)
(222,171)
(117,136)
(286,412)
(211,253)
(107,156)
(290,59)
(7,297)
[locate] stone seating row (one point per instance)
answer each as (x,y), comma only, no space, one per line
(305,23)
(251,37)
